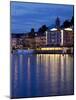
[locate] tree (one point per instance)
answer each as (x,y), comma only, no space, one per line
(32,33)
(32,30)
(72,20)
(66,24)
(42,29)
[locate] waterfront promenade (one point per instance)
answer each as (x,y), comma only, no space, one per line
(51,50)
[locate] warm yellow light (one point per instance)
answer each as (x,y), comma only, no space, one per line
(51,48)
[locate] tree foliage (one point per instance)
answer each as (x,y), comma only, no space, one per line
(32,32)
(42,29)
(68,23)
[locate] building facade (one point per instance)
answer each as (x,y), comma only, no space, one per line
(68,37)
(40,41)
(13,42)
(53,37)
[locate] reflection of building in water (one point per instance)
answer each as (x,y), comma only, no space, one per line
(63,66)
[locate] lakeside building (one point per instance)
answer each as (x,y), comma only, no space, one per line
(68,37)
(13,42)
(28,42)
(40,41)
(17,43)
(53,37)
(60,37)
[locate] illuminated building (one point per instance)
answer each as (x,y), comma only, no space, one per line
(53,37)
(68,37)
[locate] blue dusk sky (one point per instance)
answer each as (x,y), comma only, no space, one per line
(25,16)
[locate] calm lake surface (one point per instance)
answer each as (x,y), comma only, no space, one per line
(41,75)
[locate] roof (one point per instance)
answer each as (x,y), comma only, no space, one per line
(53,29)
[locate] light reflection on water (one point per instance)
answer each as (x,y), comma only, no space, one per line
(41,75)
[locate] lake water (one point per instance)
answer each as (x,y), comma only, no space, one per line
(41,75)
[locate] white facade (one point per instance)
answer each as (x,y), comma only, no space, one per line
(53,37)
